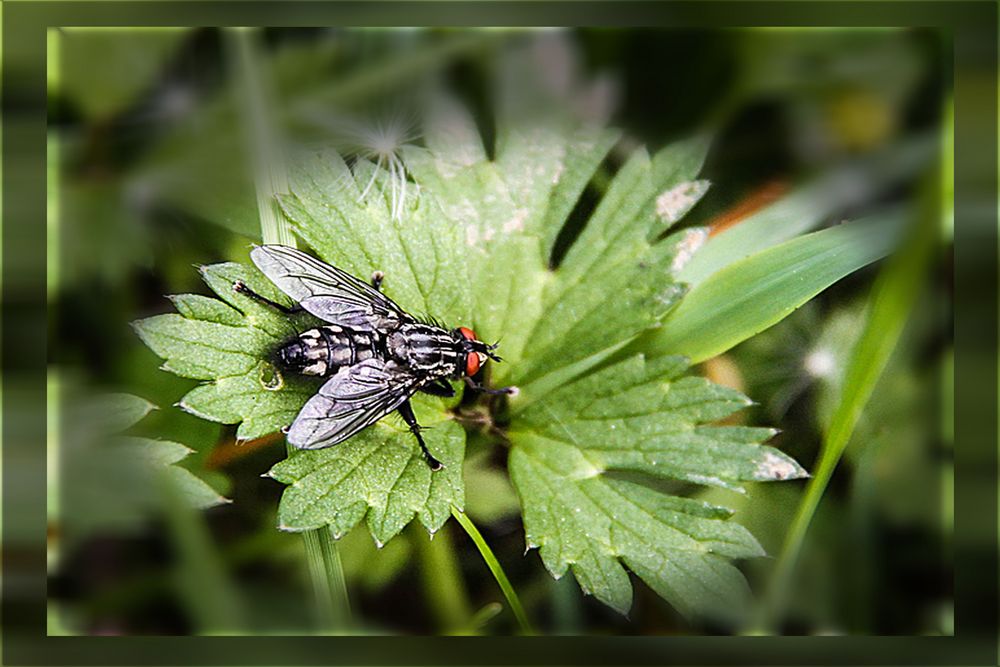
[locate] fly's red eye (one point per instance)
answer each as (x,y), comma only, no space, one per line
(467,333)
(473,361)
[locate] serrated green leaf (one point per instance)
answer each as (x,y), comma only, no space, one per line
(261,398)
(584,155)
(601,312)
(380,476)
(159,457)
(198,307)
(497,236)
(201,349)
(617,281)
(221,277)
(229,343)
(639,416)
(619,228)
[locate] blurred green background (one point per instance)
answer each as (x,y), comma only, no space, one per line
(149,175)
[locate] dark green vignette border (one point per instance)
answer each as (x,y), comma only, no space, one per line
(972,26)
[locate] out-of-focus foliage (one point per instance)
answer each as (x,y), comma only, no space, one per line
(810,127)
(115,482)
(104,71)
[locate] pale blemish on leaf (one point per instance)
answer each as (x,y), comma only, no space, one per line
(711,480)
(516,223)
(471,235)
(777,467)
(557,174)
(673,204)
(693,240)
(270,377)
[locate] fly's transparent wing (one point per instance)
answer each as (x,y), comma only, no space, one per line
(325,291)
(354,398)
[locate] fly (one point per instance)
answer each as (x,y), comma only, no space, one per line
(375,354)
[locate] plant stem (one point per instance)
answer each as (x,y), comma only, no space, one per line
(271,177)
(327,575)
(566,608)
(893,296)
(201,576)
(496,570)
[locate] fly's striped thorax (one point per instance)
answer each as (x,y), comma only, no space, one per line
(325,350)
(430,349)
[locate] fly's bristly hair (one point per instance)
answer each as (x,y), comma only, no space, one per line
(430,320)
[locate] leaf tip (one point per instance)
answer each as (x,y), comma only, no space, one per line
(673,204)
(775,466)
(192,411)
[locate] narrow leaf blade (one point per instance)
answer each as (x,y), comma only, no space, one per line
(751,295)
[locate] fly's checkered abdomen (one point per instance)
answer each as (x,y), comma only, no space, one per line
(325,350)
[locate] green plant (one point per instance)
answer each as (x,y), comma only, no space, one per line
(609,429)
(119,481)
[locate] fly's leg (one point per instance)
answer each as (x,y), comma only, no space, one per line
(377,278)
(406,412)
(240,287)
(439,388)
(502,391)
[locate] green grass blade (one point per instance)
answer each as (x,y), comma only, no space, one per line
(497,570)
(794,214)
(808,205)
(892,299)
(751,295)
